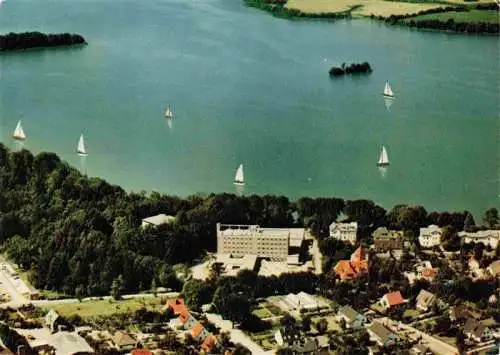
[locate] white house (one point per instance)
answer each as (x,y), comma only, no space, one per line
(157,220)
(477,331)
(430,236)
(351,318)
(344,231)
(488,237)
(425,299)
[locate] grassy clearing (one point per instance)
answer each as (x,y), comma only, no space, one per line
(104,307)
(411,313)
(262,313)
(365,7)
(489,16)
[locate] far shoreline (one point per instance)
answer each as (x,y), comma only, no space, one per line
(483,16)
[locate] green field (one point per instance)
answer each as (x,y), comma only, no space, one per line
(470,16)
(103,307)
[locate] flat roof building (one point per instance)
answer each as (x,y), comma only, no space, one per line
(157,220)
(232,265)
(273,243)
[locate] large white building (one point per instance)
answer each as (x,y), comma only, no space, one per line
(430,236)
(488,237)
(344,231)
(240,240)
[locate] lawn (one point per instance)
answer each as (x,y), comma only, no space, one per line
(262,312)
(470,16)
(103,307)
(411,313)
(368,7)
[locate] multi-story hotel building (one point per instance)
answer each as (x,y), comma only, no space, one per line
(239,240)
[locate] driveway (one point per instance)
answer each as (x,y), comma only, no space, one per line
(7,286)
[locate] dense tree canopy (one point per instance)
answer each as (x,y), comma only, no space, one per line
(77,234)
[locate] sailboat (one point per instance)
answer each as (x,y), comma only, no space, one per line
(168,113)
(19,133)
(239,178)
(81,147)
(383,160)
(388,90)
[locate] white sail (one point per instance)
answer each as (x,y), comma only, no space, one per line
(239,178)
(388,90)
(384,158)
(81,146)
(168,113)
(18,132)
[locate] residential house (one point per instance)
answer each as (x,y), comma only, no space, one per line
(494,268)
(209,344)
(430,236)
(350,269)
(43,341)
(351,318)
(391,299)
(141,352)
(124,341)
(426,271)
(344,231)
(53,321)
(477,331)
(305,346)
(460,313)
(384,239)
(425,300)
(198,332)
(374,350)
(488,237)
(155,221)
(475,268)
(381,335)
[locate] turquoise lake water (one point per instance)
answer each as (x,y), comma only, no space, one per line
(249,88)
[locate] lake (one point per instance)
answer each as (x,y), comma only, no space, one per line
(249,88)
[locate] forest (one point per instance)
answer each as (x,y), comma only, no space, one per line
(19,41)
(77,234)
(354,68)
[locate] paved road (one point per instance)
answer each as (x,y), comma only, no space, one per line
(7,286)
(316,254)
(435,345)
(45,303)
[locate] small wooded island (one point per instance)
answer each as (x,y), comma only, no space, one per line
(26,40)
(354,68)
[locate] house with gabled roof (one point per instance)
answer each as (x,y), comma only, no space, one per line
(391,299)
(381,334)
(477,331)
(209,344)
(460,313)
(124,341)
(198,332)
(425,300)
(351,318)
(344,231)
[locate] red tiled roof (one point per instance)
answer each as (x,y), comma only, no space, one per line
(197,329)
(429,272)
(209,343)
(141,352)
(350,269)
(394,298)
(177,306)
(358,255)
(184,316)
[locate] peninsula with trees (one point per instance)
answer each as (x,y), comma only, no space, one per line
(170,273)
(28,40)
